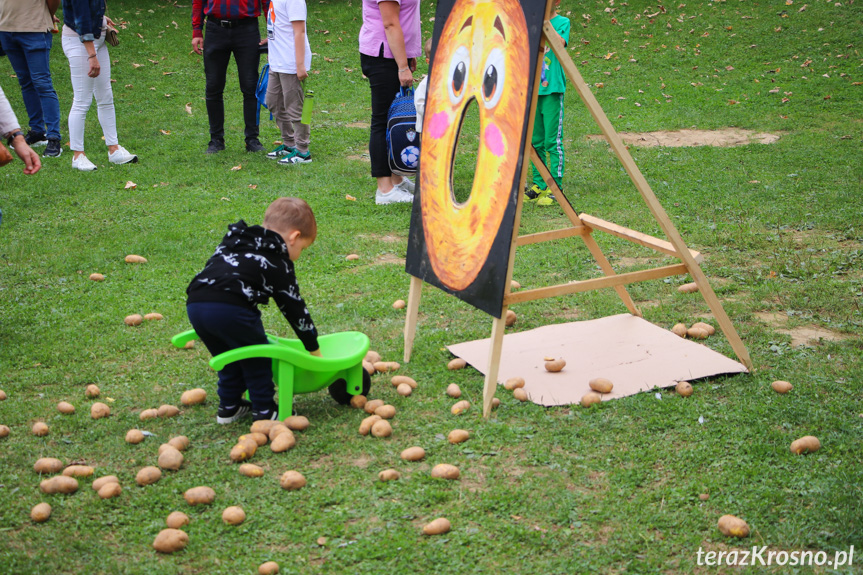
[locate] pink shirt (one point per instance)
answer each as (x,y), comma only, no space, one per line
(372,33)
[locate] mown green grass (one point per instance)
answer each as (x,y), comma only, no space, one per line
(543,490)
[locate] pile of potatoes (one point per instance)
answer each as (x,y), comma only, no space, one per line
(699,330)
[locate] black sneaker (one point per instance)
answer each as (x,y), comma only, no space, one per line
(34,139)
(231,413)
(272,413)
(215,146)
(254,145)
(53,149)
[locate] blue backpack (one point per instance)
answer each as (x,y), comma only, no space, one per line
(261,91)
(403,141)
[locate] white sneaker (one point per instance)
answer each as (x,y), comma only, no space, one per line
(407,185)
(122,156)
(395,196)
(83,163)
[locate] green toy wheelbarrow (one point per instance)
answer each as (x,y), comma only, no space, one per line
(340,367)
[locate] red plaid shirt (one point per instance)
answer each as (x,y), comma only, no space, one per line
(224,10)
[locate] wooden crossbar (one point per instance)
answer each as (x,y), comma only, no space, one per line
(645,240)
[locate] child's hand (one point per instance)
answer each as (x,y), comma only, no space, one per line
(316,353)
(302,73)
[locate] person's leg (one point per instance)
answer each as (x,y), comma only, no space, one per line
(15,51)
(217,54)
(384,84)
(39,61)
(82,89)
(245,41)
(105,96)
(294,111)
(538,141)
(276,104)
(553,119)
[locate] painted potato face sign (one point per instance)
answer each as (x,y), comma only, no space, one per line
(484,52)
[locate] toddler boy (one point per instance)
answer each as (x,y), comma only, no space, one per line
(250,266)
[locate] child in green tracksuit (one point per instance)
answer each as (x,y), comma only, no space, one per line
(548,123)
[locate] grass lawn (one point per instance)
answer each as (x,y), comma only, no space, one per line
(611,489)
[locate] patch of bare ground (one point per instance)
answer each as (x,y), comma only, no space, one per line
(362,461)
(383,259)
(724,138)
(386,238)
(325,461)
(804,335)
(361,125)
(362,158)
(627,262)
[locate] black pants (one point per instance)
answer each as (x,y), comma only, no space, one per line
(242,41)
(223,327)
(383,75)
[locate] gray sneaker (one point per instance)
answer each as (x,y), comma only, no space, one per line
(397,195)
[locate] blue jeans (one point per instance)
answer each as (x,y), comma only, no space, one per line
(30,54)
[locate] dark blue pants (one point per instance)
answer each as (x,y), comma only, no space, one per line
(223,327)
(30,54)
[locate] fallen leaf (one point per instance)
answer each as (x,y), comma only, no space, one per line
(235,168)
(224,199)
(166,132)
(167,73)
(189,108)
(136,65)
(253,186)
(350,198)
(128,85)
(130,185)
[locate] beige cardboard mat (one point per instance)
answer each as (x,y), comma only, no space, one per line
(630,351)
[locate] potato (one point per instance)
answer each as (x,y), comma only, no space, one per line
(457,363)
(397,380)
(268,568)
(495,403)
(413,454)
(3,395)
(404,389)
(555,365)
(514,285)
(352,257)
(153,316)
(297,423)
(520,394)
(134,319)
(99,410)
(180,442)
(369,367)
(292,480)
(386,411)
(513,383)
(385,366)
(59,484)
(780,386)
(277,430)
(251,470)
(382,428)
(189,344)
(177,519)
(40,429)
(453,390)
(4,431)
(110,490)
(168,410)
(148,476)
(372,356)
(703,496)
(358,401)
(92,391)
(171,459)
(510,318)
(233,515)
(264,426)
(283,442)
(445,471)
(48,465)
(388,475)
(437,527)
(40,513)
(679,329)
(590,398)
(99,483)
(97,277)
(259,438)
(806,444)
(78,471)
(134,436)
(697,333)
(460,407)
(65,408)
(688,288)
(706,327)
(601,385)
(683,388)
(399,304)
(165,446)
(193,397)
(367,423)
(170,540)
(243,451)
(458,436)
(149,414)
(199,495)
(134,259)
(732,526)
(372,405)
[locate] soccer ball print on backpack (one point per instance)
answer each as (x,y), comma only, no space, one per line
(403,141)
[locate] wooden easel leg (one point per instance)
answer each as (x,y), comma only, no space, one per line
(606,268)
(498,327)
(413,308)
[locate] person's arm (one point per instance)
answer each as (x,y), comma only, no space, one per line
(396,40)
(198,26)
(8,127)
(299,27)
(92,59)
(53,5)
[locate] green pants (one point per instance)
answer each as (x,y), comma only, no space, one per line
(548,137)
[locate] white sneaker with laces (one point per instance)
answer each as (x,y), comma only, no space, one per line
(83,163)
(122,156)
(407,185)
(395,196)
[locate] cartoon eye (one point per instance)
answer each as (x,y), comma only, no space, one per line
(493,78)
(458,69)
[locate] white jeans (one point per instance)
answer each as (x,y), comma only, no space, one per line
(86,88)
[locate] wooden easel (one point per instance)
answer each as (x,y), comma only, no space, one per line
(583,226)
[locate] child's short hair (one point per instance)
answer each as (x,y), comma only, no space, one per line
(287,214)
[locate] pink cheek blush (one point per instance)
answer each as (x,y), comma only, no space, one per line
(438,125)
(494,140)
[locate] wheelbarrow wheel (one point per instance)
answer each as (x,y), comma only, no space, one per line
(339,389)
